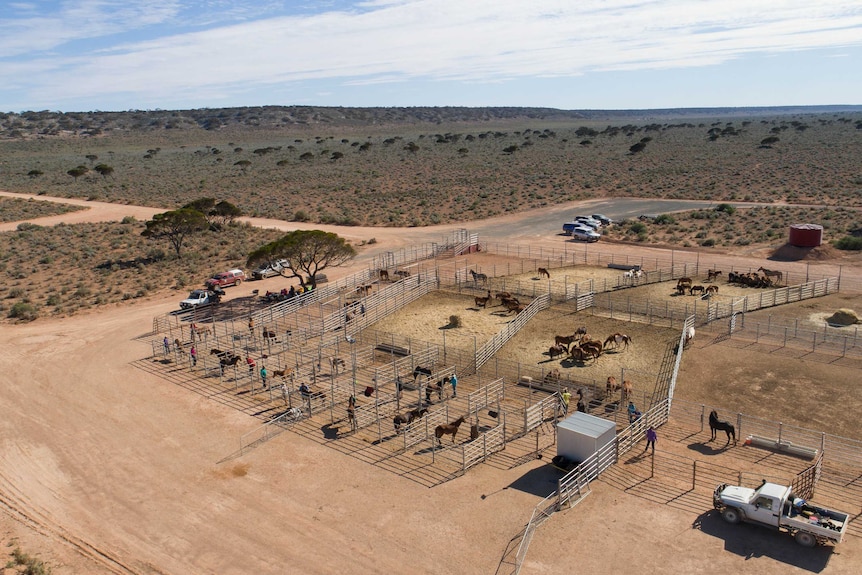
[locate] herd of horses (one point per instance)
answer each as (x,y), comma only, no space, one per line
(769,278)
(580,346)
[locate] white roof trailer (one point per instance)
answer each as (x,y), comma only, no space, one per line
(580,435)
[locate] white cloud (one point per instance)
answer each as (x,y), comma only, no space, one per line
(391,41)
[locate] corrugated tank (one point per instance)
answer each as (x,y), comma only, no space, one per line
(806,235)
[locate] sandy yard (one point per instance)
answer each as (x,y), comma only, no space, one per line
(109,468)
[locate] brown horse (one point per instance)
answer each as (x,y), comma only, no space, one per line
(565,340)
(448,429)
(178,344)
(283,374)
(611,387)
(483,301)
(543,272)
(384,274)
(628,388)
(556,350)
(503,296)
(712,274)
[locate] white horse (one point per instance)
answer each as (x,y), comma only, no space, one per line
(689,335)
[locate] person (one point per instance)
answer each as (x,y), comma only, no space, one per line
(192,329)
(567,397)
(251,326)
(632,411)
(263,374)
(399,386)
(250,363)
(351,412)
(454,381)
(167,343)
(362,308)
(193,353)
(291,292)
(651,437)
(304,390)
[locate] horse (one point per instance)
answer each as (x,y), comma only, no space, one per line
(543,272)
(284,374)
(418,370)
(178,344)
(503,296)
(712,274)
(581,330)
(335,363)
(407,418)
(628,389)
(479,277)
(683,281)
(593,346)
(689,335)
(448,429)
(552,376)
(201,331)
(363,289)
(228,361)
(268,334)
(771,273)
(384,274)
(711,289)
(693,289)
(483,301)
(565,340)
(611,387)
(632,274)
(556,350)
(617,339)
(716,424)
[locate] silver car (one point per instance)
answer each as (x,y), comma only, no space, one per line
(585,235)
(271,269)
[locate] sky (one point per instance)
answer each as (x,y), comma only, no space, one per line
(115,55)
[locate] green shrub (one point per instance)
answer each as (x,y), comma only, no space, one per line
(726,208)
(665,219)
(638,228)
(850,243)
(708,243)
(23,311)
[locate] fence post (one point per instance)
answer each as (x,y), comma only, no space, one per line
(693,475)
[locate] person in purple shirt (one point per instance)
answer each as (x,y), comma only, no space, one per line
(651,436)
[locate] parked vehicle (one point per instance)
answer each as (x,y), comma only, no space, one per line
(202,297)
(569,226)
(271,269)
(776,506)
(586,235)
(225,279)
(606,221)
(591,222)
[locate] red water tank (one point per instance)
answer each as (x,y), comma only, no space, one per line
(806,235)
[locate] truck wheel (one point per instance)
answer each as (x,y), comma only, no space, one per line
(805,539)
(238,281)
(731,515)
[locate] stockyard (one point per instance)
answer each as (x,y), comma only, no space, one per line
(363,366)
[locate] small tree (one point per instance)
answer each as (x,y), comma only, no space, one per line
(78,172)
(104,170)
(307,253)
(223,213)
(35,173)
(176,226)
(638,147)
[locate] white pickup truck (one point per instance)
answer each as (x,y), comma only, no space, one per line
(202,297)
(776,506)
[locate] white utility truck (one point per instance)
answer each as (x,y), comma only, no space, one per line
(776,506)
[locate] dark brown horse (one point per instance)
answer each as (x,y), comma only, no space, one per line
(715,424)
(448,429)
(543,272)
